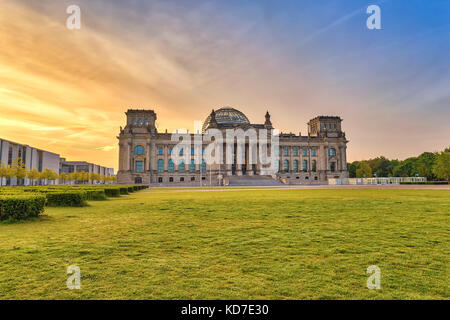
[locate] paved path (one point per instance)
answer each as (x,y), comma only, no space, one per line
(216,189)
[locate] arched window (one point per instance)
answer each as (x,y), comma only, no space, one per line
(139,150)
(146,122)
(133,121)
(181,167)
(314,165)
(160,165)
(295,165)
(192,166)
(286,166)
(181,151)
(140,122)
(332,152)
(171,166)
(305,165)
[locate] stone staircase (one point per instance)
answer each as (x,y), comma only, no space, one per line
(253,181)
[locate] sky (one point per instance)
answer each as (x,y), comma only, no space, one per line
(66,91)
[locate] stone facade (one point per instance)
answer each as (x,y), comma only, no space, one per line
(145,154)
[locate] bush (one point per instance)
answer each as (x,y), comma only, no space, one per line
(130,189)
(96,195)
(19,207)
(66,199)
(112,192)
(124,190)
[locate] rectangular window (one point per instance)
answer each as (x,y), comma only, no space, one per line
(295,152)
(160,151)
(304,152)
(286,152)
(192,166)
(181,167)
(203,166)
(313,152)
(332,166)
(160,165)
(139,166)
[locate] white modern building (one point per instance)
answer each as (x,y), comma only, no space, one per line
(34,158)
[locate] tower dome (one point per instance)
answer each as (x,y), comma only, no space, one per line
(227,116)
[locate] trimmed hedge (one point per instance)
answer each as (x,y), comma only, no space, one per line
(96,195)
(66,199)
(19,207)
(112,192)
(124,190)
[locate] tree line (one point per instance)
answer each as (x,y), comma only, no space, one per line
(432,165)
(47,176)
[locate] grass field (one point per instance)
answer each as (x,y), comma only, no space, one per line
(277,244)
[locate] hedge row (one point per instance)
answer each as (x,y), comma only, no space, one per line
(18,203)
(19,207)
(66,199)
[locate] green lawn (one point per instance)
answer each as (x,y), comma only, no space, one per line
(268,244)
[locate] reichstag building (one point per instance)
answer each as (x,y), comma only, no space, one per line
(145,153)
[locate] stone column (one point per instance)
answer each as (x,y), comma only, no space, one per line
(166,158)
(129,162)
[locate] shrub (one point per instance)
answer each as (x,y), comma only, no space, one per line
(96,195)
(19,207)
(66,199)
(130,189)
(124,190)
(112,192)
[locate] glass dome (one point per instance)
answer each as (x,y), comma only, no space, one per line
(227,116)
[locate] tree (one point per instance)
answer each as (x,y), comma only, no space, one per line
(425,165)
(352,167)
(47,175)
(3,172)
(442,166)
(364,171)
(83,176)
(33,175)
(63,177)
(380,166)
(53,176)
(19,169)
